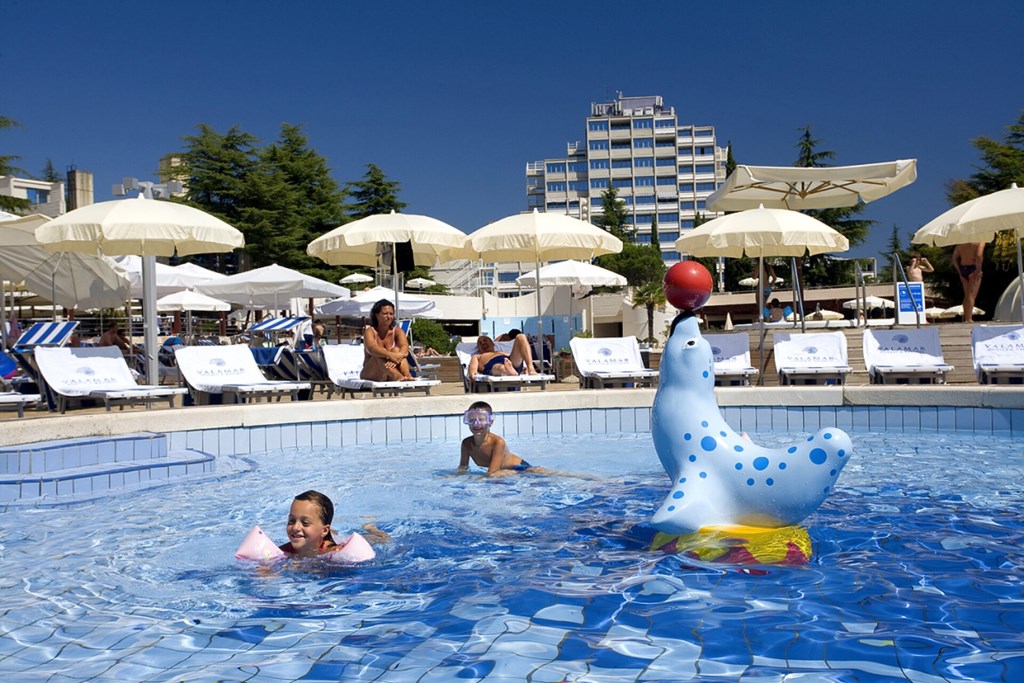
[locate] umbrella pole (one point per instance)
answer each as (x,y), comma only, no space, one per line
(760,318)
(1020,274)
(539,357)
(149,317)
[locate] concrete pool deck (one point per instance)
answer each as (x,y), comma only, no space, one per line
(42,426)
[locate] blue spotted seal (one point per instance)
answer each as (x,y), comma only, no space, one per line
(719,477)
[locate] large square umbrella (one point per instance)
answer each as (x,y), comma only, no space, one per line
(573,274)
(144,227)
(978,220)
(794,187)
(188,300)
(540,237)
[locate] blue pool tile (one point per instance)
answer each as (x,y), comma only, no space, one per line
(92,453)
(364,432)
(438,427)
(585,422)
(81,485)
(303,435)
(177,441)
(225,442)
(289,435)
(982,421)
(643,420)
(627,420)
(767,418)
(408,428)
(569,423)
(733,417)
(893,418)
(274,437)
(333,434)
(812,420)
(598,422)
(123,450)
(612,420)
(554,422)
(348,433)
(241,437)
(876,418)
(945,418)
(1001,421)
(911,419)
(747,420)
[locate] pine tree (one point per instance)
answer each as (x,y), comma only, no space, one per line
(50,173)
(374,194)
(614,217)
(7,167)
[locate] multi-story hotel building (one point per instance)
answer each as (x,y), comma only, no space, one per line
(661,169)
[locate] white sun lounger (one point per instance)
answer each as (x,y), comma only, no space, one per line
(486,383)
(905,356)
(606,362)
(731,354)
(998,353)
(12,399)
(232,372)
(811,358)
(344,364)
(98,372)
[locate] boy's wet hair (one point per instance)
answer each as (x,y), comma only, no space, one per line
(321,501)
(481,405)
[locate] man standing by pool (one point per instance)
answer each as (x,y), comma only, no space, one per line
(967,259)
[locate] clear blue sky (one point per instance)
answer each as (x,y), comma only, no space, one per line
(453,99)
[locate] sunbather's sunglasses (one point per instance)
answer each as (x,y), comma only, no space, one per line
(478,418)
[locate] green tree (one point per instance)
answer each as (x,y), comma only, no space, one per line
(730,162)
(430,334)
(1003,165)
(614,218)
(655,238)
(290,199)
(651,296)
(374,194)
(50,173)
(822,269)
(7,167)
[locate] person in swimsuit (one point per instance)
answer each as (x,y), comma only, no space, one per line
(309,526)
(385,346)
(485,448)
(967,258)
(919,265)
(488,361)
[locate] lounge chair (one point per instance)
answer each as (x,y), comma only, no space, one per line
(731,353)
(232,373)
(12,399)
(905,356)
(998,353)
(344,363)
(486,383)
(99,372)
(811,358)
(607,362)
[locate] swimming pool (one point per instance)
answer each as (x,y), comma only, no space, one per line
(915,574)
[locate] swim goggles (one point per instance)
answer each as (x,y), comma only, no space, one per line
(478,418)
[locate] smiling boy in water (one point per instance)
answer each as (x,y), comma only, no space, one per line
(486,448)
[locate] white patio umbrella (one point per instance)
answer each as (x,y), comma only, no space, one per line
(355,279)
(540,237)
(363,241)
(574,274)
(752,281)
(759,233)
(420,283)
(868,302)
(189,300)
(266,287)
(958,310)
(411,306)
(145,227)
(821,314)
(64,278)
(978,220)
(790,187)
(936,312)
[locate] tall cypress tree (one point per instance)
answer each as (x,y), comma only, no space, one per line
(7,167)
(374,194)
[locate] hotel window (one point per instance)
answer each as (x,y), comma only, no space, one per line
(644,162)
(705,187)
(667,181)
(686,187)
(686,224)
(645,200)
(704,168)
(665,161)
(644,143)
(644,219)
(670,255)
(622,163)
(701,205)
(668,217)
(578,186)
(597,125)
(556,168)
(670,236)
(578,167)
(619,146)
(643,123)
(670,144)
(598,144)
(37,196)
(556,207)
(646,181)
(508,276)
(643,238)
(664,123)
(599,184)
(598,164)
(556,187)
(622,182)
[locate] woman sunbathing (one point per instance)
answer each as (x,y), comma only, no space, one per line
(488,361)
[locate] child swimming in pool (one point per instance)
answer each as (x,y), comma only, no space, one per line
(309,527)
(487,449)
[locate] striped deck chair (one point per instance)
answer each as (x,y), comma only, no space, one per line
(52,334)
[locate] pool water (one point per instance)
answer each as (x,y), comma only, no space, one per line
(916,574)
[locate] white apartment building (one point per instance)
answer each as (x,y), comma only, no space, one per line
(660,168)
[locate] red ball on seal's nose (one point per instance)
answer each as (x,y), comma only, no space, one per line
(688,285)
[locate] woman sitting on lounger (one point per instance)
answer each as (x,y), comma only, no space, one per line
(386,346)
(488,361)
